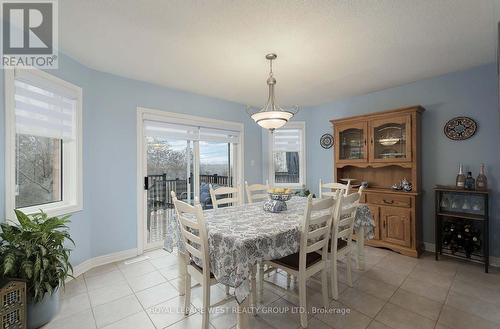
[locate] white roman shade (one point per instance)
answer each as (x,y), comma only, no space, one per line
(168,130)
(219,135)
(43,108)
(287,140)
(187,132)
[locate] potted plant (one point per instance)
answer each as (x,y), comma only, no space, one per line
(35,250)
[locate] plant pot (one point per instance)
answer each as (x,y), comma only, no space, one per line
(42,312)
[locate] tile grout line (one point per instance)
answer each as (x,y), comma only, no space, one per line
(88,296)
(133,293)
(446,299)
(333,300)
(388,299)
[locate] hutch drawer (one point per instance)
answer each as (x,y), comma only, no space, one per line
(392,200)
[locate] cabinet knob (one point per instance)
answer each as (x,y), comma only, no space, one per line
(388,201)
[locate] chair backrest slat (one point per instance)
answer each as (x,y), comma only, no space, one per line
(343,219)
(256,192)
(193,231)
(193,251)
(316,227)
(191,237)
(318,220)
(344,234)
(233,199)
(319,232)
(187,222)
(332,189)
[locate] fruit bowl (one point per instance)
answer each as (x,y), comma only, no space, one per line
(277,198)
(280,196)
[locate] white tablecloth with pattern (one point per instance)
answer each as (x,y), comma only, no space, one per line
(241,236)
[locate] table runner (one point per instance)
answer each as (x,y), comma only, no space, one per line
(240,236)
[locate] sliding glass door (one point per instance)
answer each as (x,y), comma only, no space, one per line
(184,159)
(169,168)
(216,168)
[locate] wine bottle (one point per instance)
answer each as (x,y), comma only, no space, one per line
(481,181)
(470,182)
(476,242)
(460,182)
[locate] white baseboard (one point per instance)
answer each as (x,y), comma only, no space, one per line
(431,247)
(102,260)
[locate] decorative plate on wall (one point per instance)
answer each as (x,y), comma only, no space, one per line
(460,128)
(326,141)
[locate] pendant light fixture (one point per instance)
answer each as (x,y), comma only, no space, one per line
(271,116)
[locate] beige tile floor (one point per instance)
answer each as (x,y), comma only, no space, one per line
(393,292)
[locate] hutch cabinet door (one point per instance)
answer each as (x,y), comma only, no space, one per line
(396,225)
(376,218)
(350,142)
(390,139)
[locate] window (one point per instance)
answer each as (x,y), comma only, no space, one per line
(43,143)
(287,154)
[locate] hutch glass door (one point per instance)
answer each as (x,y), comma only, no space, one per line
(351,142)
(391,140)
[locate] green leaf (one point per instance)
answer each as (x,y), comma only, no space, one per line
(9,263)
(23,219)
(36,250)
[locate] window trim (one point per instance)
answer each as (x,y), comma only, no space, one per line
(301,125)
(72,172)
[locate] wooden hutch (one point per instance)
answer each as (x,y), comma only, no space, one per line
(383,148)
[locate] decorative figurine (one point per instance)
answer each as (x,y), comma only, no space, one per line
(404,185)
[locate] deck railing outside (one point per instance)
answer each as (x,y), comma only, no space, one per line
(159,188)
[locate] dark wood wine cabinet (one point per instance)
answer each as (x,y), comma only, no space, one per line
(462,224)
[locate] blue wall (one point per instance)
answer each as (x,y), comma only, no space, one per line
(108,222)
(111,133)
(472,93)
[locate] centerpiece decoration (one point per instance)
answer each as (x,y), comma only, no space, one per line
(277,199)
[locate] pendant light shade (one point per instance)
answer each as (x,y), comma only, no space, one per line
(271,116)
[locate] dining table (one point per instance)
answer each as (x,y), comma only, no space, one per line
(241,236)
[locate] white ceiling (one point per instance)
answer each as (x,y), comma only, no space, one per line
(326,49)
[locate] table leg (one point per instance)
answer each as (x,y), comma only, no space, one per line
(181,261)
(360,255)
(243,321)
(253,284)
(260,282)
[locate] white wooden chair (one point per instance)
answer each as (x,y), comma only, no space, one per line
(313,251)
(341,244)
(256,192)
(232,193)
(194,235)
(332,188)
